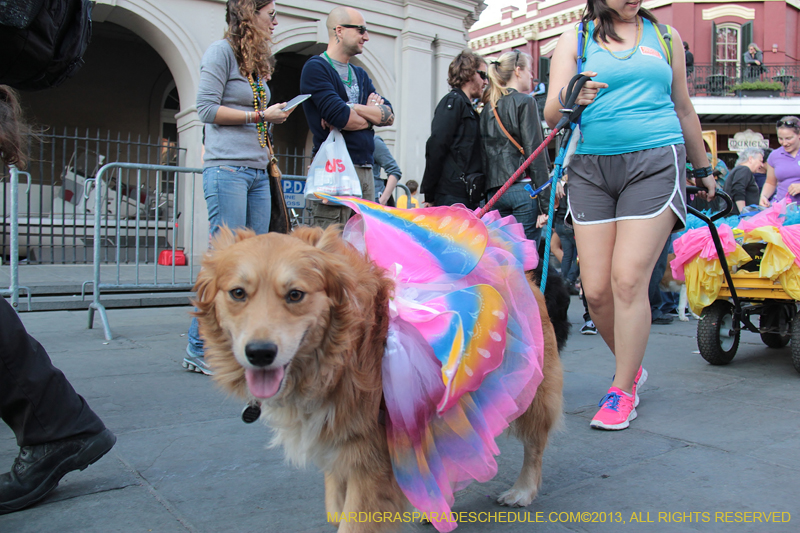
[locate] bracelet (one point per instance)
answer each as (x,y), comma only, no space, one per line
(261,116)
(702,172)
(560,101)
(247,117)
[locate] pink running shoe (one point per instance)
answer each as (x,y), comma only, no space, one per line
(638,381)
(616,410)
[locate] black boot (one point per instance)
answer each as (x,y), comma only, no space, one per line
(38,469)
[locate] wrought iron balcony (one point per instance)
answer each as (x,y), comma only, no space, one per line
(719,79)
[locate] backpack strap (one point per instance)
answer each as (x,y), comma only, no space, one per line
(664,34)
(583,37)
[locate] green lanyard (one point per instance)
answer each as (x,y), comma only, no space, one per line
(349,81)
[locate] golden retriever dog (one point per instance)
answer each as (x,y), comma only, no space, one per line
(300,321)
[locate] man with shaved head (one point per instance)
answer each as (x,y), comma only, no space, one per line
(343,97)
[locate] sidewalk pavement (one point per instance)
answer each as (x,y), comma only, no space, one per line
(708,441)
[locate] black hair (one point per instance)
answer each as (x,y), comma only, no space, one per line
(598,9)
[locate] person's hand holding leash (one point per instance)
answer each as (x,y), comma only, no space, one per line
(590,89)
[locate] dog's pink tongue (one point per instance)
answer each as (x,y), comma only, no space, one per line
(264,383)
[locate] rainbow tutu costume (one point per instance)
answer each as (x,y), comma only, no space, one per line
(465,348)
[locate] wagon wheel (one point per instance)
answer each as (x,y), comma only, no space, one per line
(779,319)
(717,335)
(796,342)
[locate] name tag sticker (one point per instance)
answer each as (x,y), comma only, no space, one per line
(646,50)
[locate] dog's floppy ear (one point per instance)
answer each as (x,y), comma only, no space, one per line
(226,237)
(308,234)
(331,240)
(205,287)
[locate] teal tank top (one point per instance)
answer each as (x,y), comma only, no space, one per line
(636,111)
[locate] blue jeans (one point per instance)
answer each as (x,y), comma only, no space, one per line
(237,197)
(516,201)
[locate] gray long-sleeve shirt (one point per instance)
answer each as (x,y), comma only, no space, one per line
(221,84)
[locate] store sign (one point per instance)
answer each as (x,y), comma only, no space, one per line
(747,139)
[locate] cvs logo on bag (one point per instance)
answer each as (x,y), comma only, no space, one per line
(334,165)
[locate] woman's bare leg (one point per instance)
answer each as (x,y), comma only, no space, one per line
(595,244)
(617,260)
(636,250)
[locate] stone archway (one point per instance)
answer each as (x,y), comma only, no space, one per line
(158,23)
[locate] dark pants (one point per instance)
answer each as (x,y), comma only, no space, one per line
(655,278)
(36,400)
(448,199)
(569,262)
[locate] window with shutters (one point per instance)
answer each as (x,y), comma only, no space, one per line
(727,49)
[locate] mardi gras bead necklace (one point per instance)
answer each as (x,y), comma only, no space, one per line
(639,31)
(260,106)
(349,81)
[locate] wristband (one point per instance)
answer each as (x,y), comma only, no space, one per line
(560,101)
(702,172)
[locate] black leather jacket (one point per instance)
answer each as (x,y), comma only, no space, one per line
(501,158)
(453,147)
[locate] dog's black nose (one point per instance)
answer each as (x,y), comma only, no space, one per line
(261,353)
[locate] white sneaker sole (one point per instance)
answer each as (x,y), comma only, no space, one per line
(192,367)
(597,424)
(639,387)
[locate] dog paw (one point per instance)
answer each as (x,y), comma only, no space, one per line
(683,318)
(515,497)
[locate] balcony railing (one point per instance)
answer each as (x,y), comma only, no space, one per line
(718,80)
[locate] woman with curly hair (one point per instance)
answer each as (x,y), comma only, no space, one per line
(232,100)
(12,129)
(453,150)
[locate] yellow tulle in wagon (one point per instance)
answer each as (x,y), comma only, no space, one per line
(696,261)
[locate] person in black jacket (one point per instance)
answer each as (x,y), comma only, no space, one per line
(689,59)
(510,132)
(453,149)
(741,184)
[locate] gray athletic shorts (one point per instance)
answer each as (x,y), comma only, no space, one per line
(637,185)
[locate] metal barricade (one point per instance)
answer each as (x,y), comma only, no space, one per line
(14,287)
(170,222)
(407,192)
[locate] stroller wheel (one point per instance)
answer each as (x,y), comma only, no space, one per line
(717,335)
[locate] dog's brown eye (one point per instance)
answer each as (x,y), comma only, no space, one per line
(295,296)
(238,294)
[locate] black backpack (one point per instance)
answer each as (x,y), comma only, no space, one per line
(42,41)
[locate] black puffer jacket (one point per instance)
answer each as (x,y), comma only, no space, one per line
(453,147)
(501,158)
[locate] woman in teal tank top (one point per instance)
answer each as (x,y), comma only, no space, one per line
(627,177)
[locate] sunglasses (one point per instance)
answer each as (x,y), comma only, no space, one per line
(361,29)
(516,58)
(788,124)
(273,15)
(483,75)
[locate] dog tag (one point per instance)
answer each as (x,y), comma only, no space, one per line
(251,412)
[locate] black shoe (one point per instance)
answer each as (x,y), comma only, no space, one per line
(663,319)
(38,469)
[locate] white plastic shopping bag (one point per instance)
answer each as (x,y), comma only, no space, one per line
(332,170)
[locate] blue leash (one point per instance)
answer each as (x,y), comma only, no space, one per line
(571,117)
